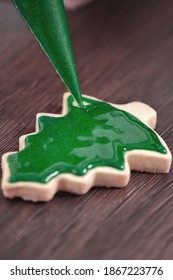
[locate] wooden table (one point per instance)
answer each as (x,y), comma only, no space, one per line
(124,52)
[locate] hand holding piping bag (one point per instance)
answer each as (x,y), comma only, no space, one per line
(73,4)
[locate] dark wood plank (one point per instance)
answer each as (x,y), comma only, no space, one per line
(124,52)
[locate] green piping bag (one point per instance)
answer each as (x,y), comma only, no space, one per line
(47,20)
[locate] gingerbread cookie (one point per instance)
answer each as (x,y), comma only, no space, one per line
(95,145)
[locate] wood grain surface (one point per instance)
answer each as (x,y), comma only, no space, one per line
(124,52)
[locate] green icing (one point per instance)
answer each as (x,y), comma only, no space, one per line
(47,20)
(85,138)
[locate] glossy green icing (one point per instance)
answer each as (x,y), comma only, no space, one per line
(47,20)
(97,135)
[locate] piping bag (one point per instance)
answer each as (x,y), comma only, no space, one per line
(47,20)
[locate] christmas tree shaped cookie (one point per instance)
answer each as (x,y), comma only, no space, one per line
(95,145)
